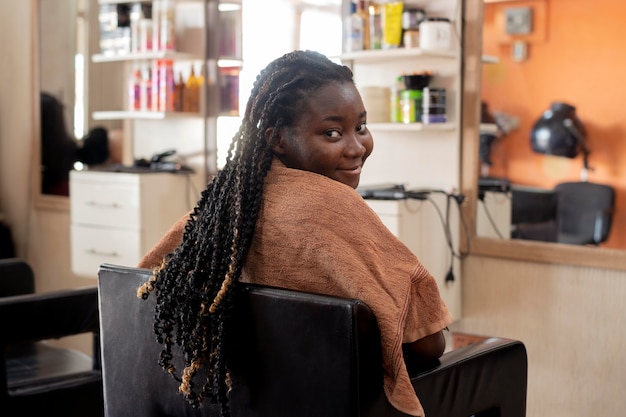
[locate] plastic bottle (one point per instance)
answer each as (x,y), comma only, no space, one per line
(394,106)
(155,73)
(166,85)
(134,89)
(145,93)
(167,33)
(375,25)
(179,92)
(353,30)
(192,93)
(363,11)
(392,24)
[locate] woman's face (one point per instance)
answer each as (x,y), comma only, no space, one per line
(330,136)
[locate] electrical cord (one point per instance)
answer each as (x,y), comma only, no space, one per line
(445,222)
(399,193)
(490,218)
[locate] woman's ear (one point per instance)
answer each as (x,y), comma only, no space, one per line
(277,141)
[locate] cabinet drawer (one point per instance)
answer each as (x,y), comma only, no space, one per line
(93,246)
(104,204)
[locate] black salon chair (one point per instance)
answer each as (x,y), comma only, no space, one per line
(585,212)
(534,213)
(36,377)
(303,355)
(16,277)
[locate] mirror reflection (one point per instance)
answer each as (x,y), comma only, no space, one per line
(553,128)
(66,142)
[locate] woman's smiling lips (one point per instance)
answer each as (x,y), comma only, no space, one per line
(351,171)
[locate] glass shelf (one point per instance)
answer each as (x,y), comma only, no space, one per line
(147,55)
(379,55)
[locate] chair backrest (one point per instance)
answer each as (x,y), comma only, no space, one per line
(585,212)
(286,343)
(296,354)
(16,277)
(533,213)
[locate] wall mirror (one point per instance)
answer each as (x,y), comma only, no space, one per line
(54,49)
(536,84)
(66,30)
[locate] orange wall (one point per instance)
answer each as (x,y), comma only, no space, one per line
(576,54)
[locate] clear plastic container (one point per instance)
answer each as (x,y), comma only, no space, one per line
(435,34)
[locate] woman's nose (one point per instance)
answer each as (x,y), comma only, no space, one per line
(356,146)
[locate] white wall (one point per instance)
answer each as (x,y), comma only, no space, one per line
(570,321)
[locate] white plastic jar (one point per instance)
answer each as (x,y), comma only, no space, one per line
(435,34)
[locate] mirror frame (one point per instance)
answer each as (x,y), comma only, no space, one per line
(521,250)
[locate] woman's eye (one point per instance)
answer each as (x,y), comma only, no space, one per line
(333,134)
(361,128)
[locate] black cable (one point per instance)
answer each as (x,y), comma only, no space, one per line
(445,222)
(490,218)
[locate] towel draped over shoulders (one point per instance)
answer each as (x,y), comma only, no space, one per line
(317,235)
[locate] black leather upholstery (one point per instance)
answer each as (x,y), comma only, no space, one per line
(534,213)
(37,378)
(296,354)
(16,277)
(585,212)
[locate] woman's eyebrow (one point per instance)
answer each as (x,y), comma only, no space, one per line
(337,118)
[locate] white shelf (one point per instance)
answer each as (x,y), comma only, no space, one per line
(141,115)
(146,1)
(411,127)
(229,62)
(148,55)
(380,55)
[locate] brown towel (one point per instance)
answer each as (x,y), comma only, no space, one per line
(317,235)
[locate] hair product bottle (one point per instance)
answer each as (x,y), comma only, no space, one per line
(353,27)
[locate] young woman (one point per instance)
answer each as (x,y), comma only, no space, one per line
(284,212)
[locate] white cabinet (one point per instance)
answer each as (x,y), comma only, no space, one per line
(117,217)
(417,155)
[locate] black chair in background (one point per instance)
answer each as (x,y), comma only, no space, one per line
(36,377)
(585,212)
(7,247)
(534,213)
(297,354)
(16,277)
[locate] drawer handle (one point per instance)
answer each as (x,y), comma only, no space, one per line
(103,205)
(101,253)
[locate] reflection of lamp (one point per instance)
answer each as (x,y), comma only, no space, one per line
(560,132)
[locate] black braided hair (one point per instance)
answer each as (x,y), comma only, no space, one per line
(197,284)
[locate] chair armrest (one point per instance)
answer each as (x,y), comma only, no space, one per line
(37,317)
(33,317)
(479,378)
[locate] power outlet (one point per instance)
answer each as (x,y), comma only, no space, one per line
(519,20)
